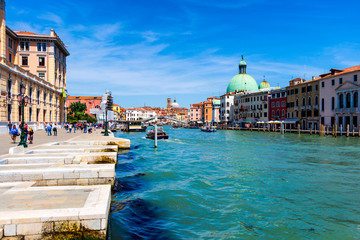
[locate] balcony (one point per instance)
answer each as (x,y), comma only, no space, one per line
(316,107)
(308,107)
(297,108)
(303,108)
(346,110)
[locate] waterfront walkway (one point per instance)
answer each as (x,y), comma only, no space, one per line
(40,137)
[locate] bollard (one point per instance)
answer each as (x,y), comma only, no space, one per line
(264,128)
(315,129)
(322,130)
(341,129)
(282,128)
(347,130)
(333,131)
(353,130)
(299,128)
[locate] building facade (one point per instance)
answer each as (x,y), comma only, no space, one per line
(89,101)
(303,103)
(277,104)
(196,112)
(227,108)
(339,94)
(38,62)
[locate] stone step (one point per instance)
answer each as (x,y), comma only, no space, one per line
(38,159)
(50,174)
(61,212)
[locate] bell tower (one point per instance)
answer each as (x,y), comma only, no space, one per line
(2,30)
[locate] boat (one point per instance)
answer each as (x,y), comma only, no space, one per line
(134,126)
(160,134)
(208,129)
(174,126)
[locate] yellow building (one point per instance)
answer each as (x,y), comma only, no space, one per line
(39,63)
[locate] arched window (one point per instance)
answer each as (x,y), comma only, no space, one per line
(309,101)
(273,112)
(341,101)
(283,113)
(356,99)
(278,113)
(348,100)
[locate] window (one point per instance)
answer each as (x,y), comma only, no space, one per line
(296,90)
(41,47)
(42,75)
(44,47)
(332,103)
(309,89)
(283,113)
(304,102)
(273,112)
(42,61)
(278,113)
(292,91)
(316,87)
(38,96)
(227,104)
(356,99)
(10,43)
(278,104)
(283,103)
(333,82)
(24,61)
(309,101)
(297,102)
(322,84)
(303,89)
(273,104)
(24,46)
(355,78)
(265,114)
(341,101)
(322,104)
(10,57)
(340,80)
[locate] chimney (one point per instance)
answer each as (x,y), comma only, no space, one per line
(313,77)
(52,33)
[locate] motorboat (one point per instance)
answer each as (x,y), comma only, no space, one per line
(208,129)
(160,134)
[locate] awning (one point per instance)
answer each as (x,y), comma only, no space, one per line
(199,122)
(260,122)
(291,120)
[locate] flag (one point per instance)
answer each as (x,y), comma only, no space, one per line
(64,94)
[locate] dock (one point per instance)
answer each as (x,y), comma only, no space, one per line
(59,190)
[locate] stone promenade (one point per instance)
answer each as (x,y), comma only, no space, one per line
(59,187)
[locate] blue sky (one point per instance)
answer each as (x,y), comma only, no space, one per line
(147,50)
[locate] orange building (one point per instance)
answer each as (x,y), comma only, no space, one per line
(91,102)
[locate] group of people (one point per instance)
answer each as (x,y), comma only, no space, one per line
(16,131)
(83,127)
(50,127)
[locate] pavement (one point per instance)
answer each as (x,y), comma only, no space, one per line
(40,137)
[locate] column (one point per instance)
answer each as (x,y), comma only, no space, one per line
(351,100)
(344,100)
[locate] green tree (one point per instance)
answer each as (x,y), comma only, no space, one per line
(76,107)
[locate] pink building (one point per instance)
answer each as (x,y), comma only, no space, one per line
(339,98)
(196,112)
(91,102)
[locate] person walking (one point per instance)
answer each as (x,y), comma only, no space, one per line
(31,135)
(9,125)
(14,132)
(55,129)
(74,126)
(48,129)
(70,128)
(26,131)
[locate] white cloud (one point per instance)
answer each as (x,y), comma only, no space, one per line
(51,17)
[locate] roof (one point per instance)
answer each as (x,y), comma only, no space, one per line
(336,72)
(84,98)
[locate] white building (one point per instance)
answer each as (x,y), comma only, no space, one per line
(138,114)
(100,113)
(227,108)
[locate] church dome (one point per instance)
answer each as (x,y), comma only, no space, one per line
(242,81)
(264,84)
(175,104)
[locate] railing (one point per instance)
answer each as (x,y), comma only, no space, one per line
(346,110)
(308,107)
(303,108)
(316,106)
(297,108)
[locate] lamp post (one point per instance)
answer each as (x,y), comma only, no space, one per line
(23,100)
(109,106)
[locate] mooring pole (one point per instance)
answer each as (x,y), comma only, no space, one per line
(155,128)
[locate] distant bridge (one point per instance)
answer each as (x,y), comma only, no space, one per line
(161,117)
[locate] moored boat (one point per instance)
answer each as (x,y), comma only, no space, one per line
(208,129)
(160,134)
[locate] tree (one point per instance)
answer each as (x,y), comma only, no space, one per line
(76,107)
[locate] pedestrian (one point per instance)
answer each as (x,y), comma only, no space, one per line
(26,131)
(55,129)
(9,125)
(31,135)
(74,126)
(48,129)
(14,132)
(66,127)
(70,128)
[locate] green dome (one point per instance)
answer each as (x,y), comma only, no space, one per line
(242,82)
(242,63)
(264,84)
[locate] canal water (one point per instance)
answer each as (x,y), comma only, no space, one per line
(237,185)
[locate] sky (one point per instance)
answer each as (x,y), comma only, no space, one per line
(145,51)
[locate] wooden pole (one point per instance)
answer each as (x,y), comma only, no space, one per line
(341,129)
(353,131)
(335,130)
(322,130)
(347,130)
(299,128)
(156,130)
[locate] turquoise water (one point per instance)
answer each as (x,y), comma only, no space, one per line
(237,185)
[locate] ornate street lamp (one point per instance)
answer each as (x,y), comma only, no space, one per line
(23,100)
(109,106)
